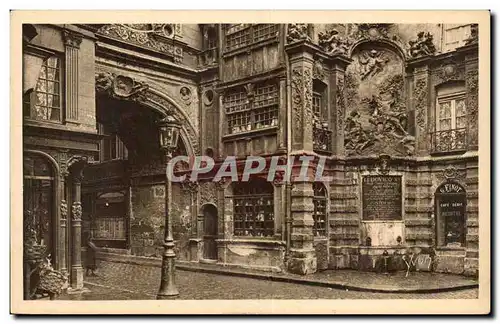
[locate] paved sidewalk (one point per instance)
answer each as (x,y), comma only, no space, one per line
(119,281)
(424,282)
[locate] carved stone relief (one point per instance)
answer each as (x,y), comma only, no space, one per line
(297,100)
(422,46)
(318,70)
(186,95)
(376,120)
(153,36)
(471,83)
(208,193)
(333,43)
(297,32)
(120,86)
(420,95)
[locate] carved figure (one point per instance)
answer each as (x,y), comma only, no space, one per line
(333,43)
(356,138)
(474,35)
(371,63)
(422,46)
(297,32)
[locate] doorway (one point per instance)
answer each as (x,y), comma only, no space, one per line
(210,225)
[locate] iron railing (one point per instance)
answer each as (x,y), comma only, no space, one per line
(452,140)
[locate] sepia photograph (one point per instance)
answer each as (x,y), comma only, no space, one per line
(276,162)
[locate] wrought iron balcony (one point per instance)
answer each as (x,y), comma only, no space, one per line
(322,140)
(448,141)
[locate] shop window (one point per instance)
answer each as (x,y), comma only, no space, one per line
(110,214)
(38,198)
(241,35)
(319,215)
(451,119)
(450,200)
(44,102)
(244,115)
(253,209)
(455,36)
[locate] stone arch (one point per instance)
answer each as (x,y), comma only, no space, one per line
(395,47)
(126,88)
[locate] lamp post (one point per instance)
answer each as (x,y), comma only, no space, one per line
(169,135)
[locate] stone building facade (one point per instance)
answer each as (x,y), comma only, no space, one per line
(391,108)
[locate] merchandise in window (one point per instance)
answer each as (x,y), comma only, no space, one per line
(253,209)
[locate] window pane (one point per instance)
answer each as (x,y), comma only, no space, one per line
(460,107)
(445,109)
(461,122)
(445,124)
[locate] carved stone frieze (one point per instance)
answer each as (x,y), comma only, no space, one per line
(297,32)
(422,46)
(154,36)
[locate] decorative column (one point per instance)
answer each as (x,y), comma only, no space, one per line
(76,233)
(72,41)
(302,256)
(63,207)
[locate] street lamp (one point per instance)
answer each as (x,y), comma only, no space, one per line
(169,135)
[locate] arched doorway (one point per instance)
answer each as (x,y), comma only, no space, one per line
(450,205)
(210,225)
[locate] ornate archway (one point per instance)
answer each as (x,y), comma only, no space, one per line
(125,88)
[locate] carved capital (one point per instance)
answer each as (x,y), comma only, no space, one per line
(72,39)
(76,211)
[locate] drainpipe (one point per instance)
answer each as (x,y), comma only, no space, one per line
(288,187)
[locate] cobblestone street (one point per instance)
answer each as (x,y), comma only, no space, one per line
(119,281)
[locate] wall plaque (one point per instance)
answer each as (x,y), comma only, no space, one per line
(382,197)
